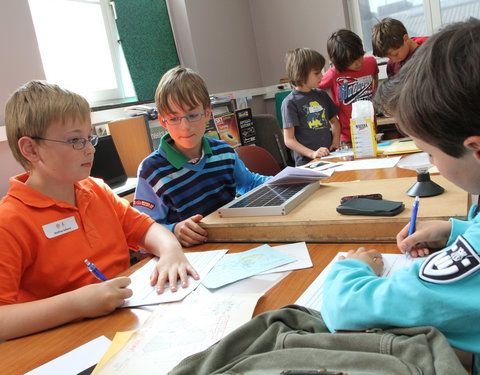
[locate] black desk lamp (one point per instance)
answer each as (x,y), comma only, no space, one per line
(424,187)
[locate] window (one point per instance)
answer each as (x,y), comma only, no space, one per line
(79,48)
(421,18)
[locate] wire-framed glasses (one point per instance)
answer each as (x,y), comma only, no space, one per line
(77,143)
(191,117)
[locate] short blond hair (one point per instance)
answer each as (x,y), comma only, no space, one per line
(183,87)
(33,107)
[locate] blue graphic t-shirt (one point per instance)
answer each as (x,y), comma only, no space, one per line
(310,114)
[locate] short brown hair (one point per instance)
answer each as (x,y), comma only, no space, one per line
(182,86)
(33,107)
(344,47)
(387,34)
(299,63)
(435,96)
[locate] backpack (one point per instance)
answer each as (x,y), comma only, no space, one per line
(296,338)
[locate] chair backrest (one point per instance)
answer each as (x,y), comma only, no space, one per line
(133,141)
(258,160)
(269,136)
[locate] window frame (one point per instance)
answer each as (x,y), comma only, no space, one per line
(431,8)
(123,93)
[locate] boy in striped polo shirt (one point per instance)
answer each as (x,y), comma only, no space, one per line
(189,176)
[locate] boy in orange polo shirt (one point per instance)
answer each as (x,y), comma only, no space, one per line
(55,216)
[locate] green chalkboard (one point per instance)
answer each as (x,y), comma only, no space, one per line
(147,40)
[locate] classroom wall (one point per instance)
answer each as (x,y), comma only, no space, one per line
(234,44)
(248,39)
(221,36)
(20,60)
(282,25)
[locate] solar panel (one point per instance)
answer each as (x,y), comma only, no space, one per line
(269,200)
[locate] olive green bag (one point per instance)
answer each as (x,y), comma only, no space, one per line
(296,338)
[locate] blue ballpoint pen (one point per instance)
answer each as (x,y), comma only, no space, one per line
(413,220)
(95,271)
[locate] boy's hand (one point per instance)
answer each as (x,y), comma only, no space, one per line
(335,145)
(189,233)
(169,267)
(372,257)
(428,235)
(321,152)
(102,298)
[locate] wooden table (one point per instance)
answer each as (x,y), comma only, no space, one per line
(24,354)
(316,218)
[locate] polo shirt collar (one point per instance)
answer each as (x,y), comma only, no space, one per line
(34,198)
(176,158)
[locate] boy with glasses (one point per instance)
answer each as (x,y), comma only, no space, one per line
(55,217)
(190,175)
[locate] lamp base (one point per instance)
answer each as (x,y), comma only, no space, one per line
(424,187)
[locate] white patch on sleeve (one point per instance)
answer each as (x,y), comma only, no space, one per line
(450,265)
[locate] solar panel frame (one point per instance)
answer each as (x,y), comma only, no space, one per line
(269,200)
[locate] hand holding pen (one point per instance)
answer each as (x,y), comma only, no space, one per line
(104,297)
(417,239)
(428,236)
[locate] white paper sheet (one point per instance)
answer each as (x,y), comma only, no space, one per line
(144,294)
(75,361)
(354,165)
(339,154)
(313,296)
(297,250)
(177,330)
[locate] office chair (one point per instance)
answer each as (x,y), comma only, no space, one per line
(269,136)
(258,160)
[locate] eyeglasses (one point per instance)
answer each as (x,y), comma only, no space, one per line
(191,117)
(77,143)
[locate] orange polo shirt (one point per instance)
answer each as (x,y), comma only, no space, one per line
(44,241)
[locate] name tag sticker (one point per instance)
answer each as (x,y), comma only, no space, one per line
(57,228)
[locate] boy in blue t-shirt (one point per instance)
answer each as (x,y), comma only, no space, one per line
(308,113)
(189,176)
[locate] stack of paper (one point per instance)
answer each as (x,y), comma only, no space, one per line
(399,146)
(299,175)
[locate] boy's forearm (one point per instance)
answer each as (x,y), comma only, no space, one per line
(336,128)
(296,146)
(158,239)
(23,319)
